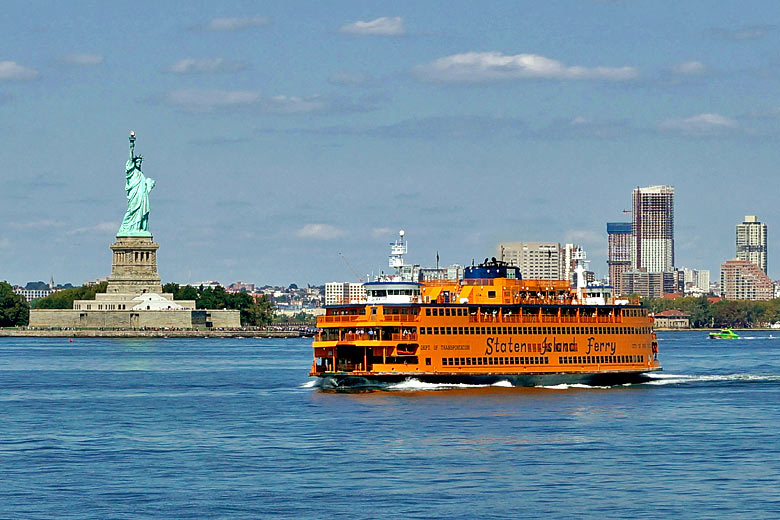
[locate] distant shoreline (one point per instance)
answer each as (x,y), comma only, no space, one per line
(89,333)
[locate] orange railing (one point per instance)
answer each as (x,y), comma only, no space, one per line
(337,319)
(401,317)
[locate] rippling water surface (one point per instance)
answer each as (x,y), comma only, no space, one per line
(233,428)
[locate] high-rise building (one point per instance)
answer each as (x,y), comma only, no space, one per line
(536,260)
(620,240)
(569,254)
(751,241)
(744,280)
(653,229)
(344,292)
(648,285)
(697,281)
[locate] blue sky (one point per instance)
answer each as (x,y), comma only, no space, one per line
(282,133)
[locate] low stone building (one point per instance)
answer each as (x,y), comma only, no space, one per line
(672,319)
(134,299)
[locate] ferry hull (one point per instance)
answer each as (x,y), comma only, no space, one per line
(351,382)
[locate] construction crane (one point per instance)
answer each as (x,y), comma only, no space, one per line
(350,267)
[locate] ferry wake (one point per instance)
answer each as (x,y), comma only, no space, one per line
(485,327)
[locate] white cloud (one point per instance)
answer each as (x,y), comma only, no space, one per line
(583,236)
(384,26)
(12,71)
(203,65)
(689,68)
(36,224)
(745,33)
(495,66)
(700,124)
(85,60)
(320,232)
(382,232)
(198,100)
(237,24)
(347,78)
(100,227)
(295,105)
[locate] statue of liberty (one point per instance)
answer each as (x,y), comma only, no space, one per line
(137,186)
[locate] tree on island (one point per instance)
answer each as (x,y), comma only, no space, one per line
(64,299)
(253,313)
(14,310)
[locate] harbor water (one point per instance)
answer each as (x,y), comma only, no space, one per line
(234,428)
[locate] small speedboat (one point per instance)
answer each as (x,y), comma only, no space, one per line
(724,334)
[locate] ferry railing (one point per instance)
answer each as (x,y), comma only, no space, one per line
(596,319)
(401,317)
(535,318)
(342,318)
(409,336)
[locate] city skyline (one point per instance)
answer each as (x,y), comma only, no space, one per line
(330,127)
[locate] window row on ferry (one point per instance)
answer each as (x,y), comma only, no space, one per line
(524,331)
(488,361)
(586,360)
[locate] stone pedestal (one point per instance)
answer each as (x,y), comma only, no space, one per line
(134,267)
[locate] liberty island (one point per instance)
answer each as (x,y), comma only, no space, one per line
(134,298)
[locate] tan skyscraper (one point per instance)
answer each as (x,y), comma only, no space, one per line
(653,228)
(751,241)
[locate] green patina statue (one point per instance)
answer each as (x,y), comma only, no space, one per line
(136,221)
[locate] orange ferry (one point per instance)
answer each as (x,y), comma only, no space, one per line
(488,327)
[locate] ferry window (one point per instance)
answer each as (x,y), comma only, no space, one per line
(460,330)
(468,360)
(428,361)
(457,361)
(462,361)
(430,330)
(449,330)
(491,294)
(436,330)
(444,361)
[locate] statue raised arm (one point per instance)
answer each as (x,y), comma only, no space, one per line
(137,186)
(132,144)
